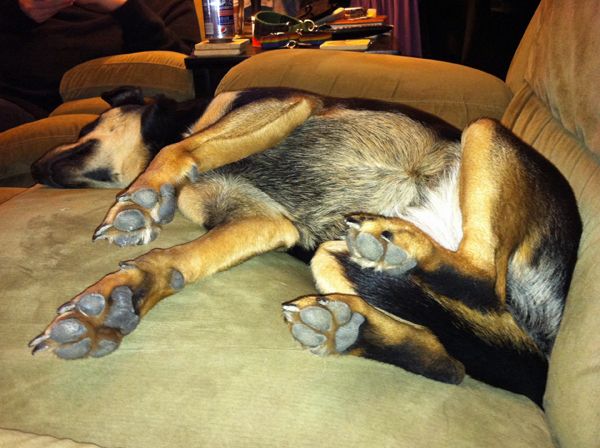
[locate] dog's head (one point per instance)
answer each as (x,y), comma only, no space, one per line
(114,149)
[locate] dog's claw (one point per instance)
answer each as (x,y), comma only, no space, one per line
(38,340)
(100,232)
(65,307)
(41,347)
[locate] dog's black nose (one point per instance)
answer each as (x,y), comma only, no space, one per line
(42,173)
(37,172)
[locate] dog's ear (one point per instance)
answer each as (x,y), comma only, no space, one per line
(160,125)
(124,95)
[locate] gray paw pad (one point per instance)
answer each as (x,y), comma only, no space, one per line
(307,336)
(347,334)
(340,311)
(177,281)
(122,315)
(146,197)
(68,330)
(368,246)
(74,351)
(91,304)
(129,220)
(104,347)
(128,239)
(394,255)
(168,206)
(317,318)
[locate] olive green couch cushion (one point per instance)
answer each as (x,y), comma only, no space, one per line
(213,365)
(457,93)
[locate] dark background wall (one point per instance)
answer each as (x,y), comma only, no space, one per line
(479,33)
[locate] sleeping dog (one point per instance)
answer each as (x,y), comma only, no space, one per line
(440,252)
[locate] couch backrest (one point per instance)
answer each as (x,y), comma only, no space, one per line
(555,78)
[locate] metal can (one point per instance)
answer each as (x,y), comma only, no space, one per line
(219,20)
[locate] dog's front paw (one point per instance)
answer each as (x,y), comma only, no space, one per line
(322,324)
(137,216)
(95,322)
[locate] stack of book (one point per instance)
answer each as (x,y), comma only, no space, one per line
(212,49)
(359,22)
(348,44)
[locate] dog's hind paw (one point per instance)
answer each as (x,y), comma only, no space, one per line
(137,216)
(323,325)
(372,243)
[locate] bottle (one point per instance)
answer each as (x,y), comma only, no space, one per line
(219,20)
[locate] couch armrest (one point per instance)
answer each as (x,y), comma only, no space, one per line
(23,145)
(454,92)
(154,71)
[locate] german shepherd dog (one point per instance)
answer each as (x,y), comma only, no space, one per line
(439,252)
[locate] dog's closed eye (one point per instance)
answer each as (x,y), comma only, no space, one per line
(100,175)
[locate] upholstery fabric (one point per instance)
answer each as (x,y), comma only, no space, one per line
(21,146)
(19,439)
(94,106)
(6,193)
(153,71)
(213,365)
(572,404)
(563,68)
(457,93)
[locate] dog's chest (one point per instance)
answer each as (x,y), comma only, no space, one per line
(439,214)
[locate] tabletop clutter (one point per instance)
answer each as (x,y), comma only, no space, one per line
(343,29)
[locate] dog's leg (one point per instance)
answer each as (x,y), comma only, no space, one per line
(94,322)
(225,137)
(346,324)
(494,229)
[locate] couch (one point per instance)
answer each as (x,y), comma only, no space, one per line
(214,365)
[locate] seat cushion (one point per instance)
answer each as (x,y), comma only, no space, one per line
(154,71)
(19,439)
(454,92)
(93,106)
(214,365)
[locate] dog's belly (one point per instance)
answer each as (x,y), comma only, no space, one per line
(347,162)
(439,215)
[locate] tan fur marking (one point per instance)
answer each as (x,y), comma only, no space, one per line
(216,110)
(494,327)
(246,132)
(219,249)
(478,189)
(329,275)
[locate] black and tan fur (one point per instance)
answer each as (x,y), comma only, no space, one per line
(439,252)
